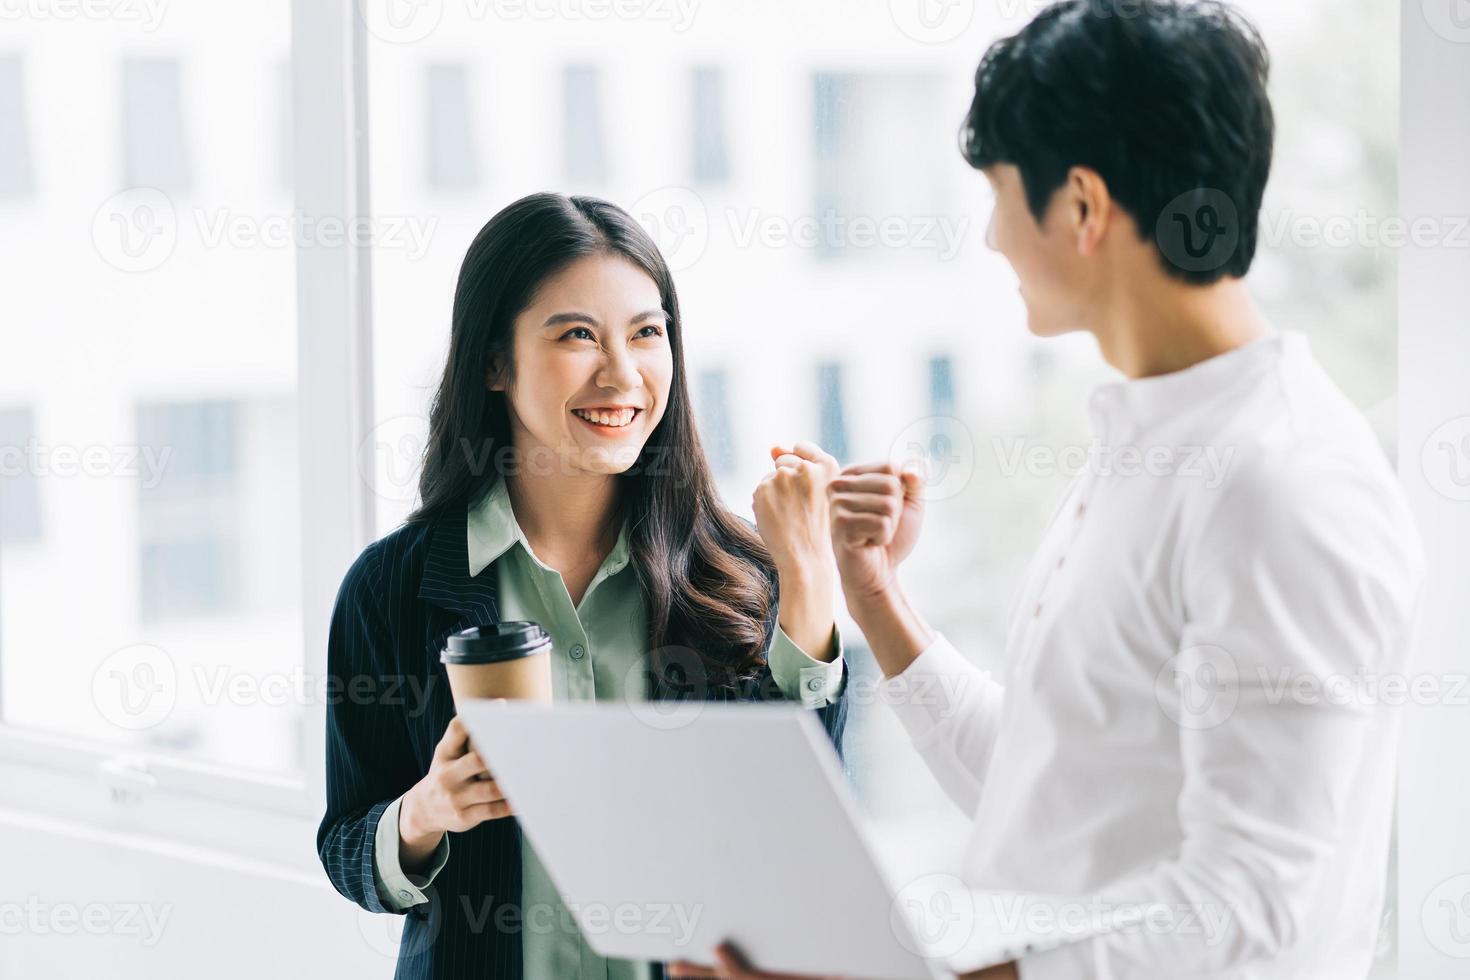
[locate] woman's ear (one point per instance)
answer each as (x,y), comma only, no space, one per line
(495,373)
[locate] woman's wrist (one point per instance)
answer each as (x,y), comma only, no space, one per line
(416,843)
(806,614)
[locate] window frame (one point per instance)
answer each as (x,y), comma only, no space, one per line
(195,802)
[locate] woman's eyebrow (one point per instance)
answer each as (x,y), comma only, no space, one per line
(648,313)
(557,318)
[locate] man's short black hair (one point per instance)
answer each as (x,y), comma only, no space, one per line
(1165,99)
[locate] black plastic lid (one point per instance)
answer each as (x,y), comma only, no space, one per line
(494,644)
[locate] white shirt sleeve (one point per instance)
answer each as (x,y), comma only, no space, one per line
(951,710)
(1297,575)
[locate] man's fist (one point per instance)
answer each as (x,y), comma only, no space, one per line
(876,511)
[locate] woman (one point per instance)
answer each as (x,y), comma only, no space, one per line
(563,482)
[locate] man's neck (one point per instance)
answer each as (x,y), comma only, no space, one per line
(1176,326)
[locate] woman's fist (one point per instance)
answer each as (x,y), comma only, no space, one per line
(790,505)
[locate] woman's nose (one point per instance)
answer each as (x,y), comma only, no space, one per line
(619,371)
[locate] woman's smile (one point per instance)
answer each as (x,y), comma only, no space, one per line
(608,420)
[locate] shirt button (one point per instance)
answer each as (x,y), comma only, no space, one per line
(405,894)
(577,651)
(1081,509)
(814,684)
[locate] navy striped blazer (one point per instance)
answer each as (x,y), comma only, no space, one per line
(390,706)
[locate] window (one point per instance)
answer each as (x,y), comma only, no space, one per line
(15,149)
(150,573)
(586,160)
(833,436)
(157,154)
(451,129)
(867,129)
(711,154)
(714,421)
(189,514)
(20,507)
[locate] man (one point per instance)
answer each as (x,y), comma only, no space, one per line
(1172,732)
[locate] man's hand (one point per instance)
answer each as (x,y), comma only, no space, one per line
(876,513)
(790,506)
(732,967)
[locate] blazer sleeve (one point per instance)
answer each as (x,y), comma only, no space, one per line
(833,716)
(369,762)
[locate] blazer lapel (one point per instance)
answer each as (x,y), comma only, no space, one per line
(446,582)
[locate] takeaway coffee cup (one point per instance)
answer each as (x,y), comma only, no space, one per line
(508,660)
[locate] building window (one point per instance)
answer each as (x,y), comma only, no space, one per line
(20,498)
(867,128)
(189,518)
(586,156)
(157,154)
(711,154)
(452,162)
(714,421)
(941,386)
(15,145)
(833,419)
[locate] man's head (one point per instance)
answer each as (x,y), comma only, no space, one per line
(1126,140)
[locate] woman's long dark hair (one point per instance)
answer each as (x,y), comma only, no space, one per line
(705,574)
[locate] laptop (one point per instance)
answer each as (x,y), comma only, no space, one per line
(670,828)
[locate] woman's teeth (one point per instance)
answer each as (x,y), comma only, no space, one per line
(615,420)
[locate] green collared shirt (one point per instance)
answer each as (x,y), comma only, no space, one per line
(599,653)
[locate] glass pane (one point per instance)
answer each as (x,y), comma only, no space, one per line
(149,528)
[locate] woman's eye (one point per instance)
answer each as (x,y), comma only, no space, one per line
(650,331)
(577,333)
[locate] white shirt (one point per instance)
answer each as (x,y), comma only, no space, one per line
(1189,718)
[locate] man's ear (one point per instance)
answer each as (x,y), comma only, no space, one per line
(1091,208)
(495,373)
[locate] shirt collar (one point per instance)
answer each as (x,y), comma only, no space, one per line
(1122,410)
(491,530)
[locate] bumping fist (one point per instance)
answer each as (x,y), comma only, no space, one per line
(876,511)
(790,506)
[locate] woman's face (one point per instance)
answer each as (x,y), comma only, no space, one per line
(592,368)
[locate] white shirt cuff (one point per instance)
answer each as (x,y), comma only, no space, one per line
(398,890)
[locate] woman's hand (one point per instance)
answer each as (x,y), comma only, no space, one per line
(456,795)
(876,513)
(790,506)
